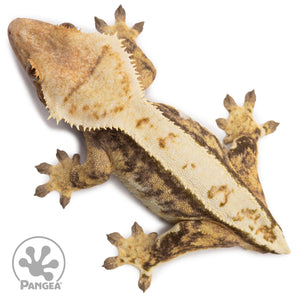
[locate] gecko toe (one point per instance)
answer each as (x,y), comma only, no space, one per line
(120,14)
(144,282)
(138,27)
(268,127)
(42,190)
(229,103)
(250,100)
(64,200)
(100,24)
(44,168)
(115,238)
(222,123)
(111,263)
(61,155)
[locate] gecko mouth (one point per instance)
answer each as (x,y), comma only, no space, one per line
(32,72)
(36,80)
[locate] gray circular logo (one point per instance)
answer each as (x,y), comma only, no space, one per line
(39,263)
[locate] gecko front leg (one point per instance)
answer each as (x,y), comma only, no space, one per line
(69,175)
(144,66)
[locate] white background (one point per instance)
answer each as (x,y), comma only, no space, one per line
(202,50)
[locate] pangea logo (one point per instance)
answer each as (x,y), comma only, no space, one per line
(39,263)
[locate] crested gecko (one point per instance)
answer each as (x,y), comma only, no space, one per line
(177,168)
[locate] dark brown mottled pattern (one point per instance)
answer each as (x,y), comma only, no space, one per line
(243,157)
(191,236)
(132,161)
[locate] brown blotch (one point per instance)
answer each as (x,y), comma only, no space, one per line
(193,166)
(95,116)
(267,232)
(85,108)
(105,49)
(72,109)
(248,213)
(162,141)
(118,109)
(141,122)
(216,190)
(125,82)
(183,167)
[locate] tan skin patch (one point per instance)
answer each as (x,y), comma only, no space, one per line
(221,189)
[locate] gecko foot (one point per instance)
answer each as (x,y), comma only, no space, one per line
(241,122)
(60,177)
(136,251)
(120,26)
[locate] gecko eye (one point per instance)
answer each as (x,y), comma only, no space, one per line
(67,25)
(31,72)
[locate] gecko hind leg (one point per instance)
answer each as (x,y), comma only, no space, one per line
(145,251)
(128,36)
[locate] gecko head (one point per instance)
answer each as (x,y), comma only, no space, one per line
(36,43)
(83,78)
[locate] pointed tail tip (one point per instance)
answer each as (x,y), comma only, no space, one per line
(280,245)
(284,249)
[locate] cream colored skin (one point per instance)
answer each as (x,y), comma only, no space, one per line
(91,81)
